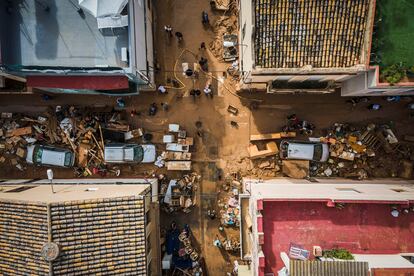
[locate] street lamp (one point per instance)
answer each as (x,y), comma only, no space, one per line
(50,177)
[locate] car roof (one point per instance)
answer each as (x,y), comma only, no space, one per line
(53,157)
(300,150)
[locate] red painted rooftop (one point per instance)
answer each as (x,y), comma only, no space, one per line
(359,227)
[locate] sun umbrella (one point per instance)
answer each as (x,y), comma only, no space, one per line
(99,8)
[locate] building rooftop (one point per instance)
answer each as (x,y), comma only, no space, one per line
(52,33)
(363,228)
(320,33)
(73,190)
(331,189)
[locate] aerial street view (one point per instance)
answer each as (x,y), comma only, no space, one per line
(207,137)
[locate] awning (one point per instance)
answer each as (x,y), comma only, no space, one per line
(79,82)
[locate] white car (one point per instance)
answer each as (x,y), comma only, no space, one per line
(304,150)
(129,153)
(50,156)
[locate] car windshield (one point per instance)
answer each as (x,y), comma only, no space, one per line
(37,155)
(317,153)
(68,159)
(138,154)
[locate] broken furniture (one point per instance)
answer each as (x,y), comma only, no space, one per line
(177,147)
(233,110)
(179,165)
(230,52)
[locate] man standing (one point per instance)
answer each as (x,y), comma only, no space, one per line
(179,36)
(168,30)
(207,91)
(162,89)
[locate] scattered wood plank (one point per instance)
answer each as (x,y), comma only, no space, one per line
(19,131)
(271,149)
(272,136)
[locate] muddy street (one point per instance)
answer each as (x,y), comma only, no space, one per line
(221,138)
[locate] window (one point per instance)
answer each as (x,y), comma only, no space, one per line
(138,154)
(348,190)
(68,159)
(317,153)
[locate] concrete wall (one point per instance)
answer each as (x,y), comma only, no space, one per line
(141,38)
(366,84)
(246,35)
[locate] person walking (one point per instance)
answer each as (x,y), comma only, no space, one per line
(168,29)
(203,46)
(120,102)
(204,18)
(179,36)
(217,242)
(203,64)
(207,91)
(162,89)
(374,107)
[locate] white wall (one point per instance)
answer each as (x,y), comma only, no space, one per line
(246,45)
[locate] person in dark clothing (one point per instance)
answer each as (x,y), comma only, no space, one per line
(203,46)
(203,64)
(168,29)
(153,109)
(179,36)
(204,18)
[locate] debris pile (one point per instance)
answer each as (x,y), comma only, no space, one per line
(179,194)
(83,131)
(371,151)
(229,204)
(177,156)
(181,253)
(224,25)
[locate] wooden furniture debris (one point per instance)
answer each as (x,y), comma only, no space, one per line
(168,138)
(21,152)
(19,131)
(177,147)
(233,110)
(272,136)
(170,155)
(83,151)
(271,149)
(173,127)
(133,134)
(189,141)
(179,165)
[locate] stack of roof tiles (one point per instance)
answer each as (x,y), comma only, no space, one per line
(23,231)
(95,237)
(321,33)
